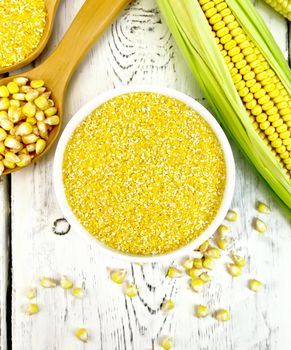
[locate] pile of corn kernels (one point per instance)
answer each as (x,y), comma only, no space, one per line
(144,173)
(27,116)
(22,24)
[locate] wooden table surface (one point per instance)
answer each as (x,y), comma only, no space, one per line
(36,241)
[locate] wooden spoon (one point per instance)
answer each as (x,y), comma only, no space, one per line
(51,7)
(91,21)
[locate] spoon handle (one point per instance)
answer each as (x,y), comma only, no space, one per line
(91,21)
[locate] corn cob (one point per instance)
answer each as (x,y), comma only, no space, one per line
(281,6)
(245,77)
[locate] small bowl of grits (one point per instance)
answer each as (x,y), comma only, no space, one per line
(145,172)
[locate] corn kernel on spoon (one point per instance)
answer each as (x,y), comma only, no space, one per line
(91,21)
(51,8)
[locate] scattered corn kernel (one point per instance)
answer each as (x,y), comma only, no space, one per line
(118,276)
(82,334)
(31,309)
(197,263)
(208,263)
(78,292)
(204,276)
(212,253)
(167,343)
(263,208)
(197,285)
(194,273)
(238,260)
(201,311)
(222,229)
(233,270)
(255,285)
(260,226)
(168,305)
(66,283)
(47,282)
(173,272)
(131,290)
(231,215)
(222,315)
(223,243)
(31,293)
(204,246)
(188,263)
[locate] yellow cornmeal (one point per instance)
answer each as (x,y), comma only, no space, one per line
(144,174)
(22,24)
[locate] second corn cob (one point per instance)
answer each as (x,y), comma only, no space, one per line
(281,6)
(266,100)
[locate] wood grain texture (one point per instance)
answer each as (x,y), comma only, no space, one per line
(138,48)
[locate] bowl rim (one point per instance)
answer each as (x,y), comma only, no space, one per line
(84,112)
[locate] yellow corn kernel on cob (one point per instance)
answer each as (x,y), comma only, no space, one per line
(245,77)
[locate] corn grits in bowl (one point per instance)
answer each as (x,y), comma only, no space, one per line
(146,171)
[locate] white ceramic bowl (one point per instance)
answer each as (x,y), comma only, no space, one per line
(90,107)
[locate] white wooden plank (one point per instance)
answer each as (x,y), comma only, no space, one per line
(139,49)
(4,257)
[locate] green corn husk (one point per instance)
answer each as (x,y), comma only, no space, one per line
(192,33)
(281,6)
